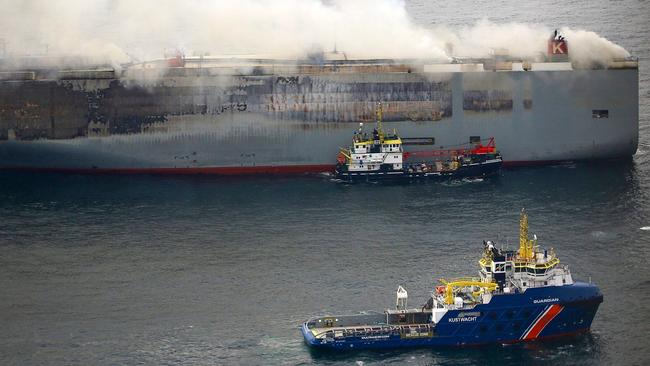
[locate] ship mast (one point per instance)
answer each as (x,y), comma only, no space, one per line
(380,115)
(525,244)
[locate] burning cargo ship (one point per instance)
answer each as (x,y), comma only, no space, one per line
(227,115)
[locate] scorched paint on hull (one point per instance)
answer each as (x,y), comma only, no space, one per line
(220,119)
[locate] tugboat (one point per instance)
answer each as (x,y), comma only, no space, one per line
(519,296)
(381,156)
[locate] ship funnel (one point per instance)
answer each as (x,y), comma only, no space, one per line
(558,49)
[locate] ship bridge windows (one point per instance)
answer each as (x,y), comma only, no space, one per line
(600,113)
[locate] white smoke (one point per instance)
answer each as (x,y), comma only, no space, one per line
(119,30)
(587,49)
(521,40)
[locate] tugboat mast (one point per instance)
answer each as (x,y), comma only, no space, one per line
(380,114)
(526,245)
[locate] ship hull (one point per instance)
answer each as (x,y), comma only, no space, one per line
(475,170)
(191,123)
(537,314)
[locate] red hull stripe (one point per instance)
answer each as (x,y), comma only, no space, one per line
(535,322)
(542,322)
(235,170)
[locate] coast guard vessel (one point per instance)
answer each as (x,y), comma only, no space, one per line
(519,296)
(380,156)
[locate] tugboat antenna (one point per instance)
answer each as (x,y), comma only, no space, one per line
(380,113)
(525,244)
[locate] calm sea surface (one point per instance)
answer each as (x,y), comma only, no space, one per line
(199,270)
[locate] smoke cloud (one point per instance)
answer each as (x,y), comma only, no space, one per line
(118,31)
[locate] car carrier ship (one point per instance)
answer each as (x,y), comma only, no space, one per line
(519,296)
(239,115)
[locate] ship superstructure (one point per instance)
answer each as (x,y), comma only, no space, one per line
(374,153)
(237,115)
(520,295)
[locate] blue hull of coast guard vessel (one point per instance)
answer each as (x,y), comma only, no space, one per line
(537,313)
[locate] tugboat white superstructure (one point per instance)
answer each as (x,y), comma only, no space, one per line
(381,156)
(519,296)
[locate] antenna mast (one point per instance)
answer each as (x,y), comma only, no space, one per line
(525,244)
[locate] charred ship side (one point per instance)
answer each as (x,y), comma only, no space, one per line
(244,115)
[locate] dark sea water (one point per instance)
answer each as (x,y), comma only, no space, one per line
(99,270)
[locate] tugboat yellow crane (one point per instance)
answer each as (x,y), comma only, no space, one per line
(450,287)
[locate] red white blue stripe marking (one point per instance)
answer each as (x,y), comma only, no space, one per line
(541,322)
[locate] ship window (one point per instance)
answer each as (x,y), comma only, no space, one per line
(474,139)
(600,113)
(528,104)
(524,283)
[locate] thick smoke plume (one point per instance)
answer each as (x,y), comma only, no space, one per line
(119,31)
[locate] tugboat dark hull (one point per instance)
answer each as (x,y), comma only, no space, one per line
(475,170)
(537,314)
